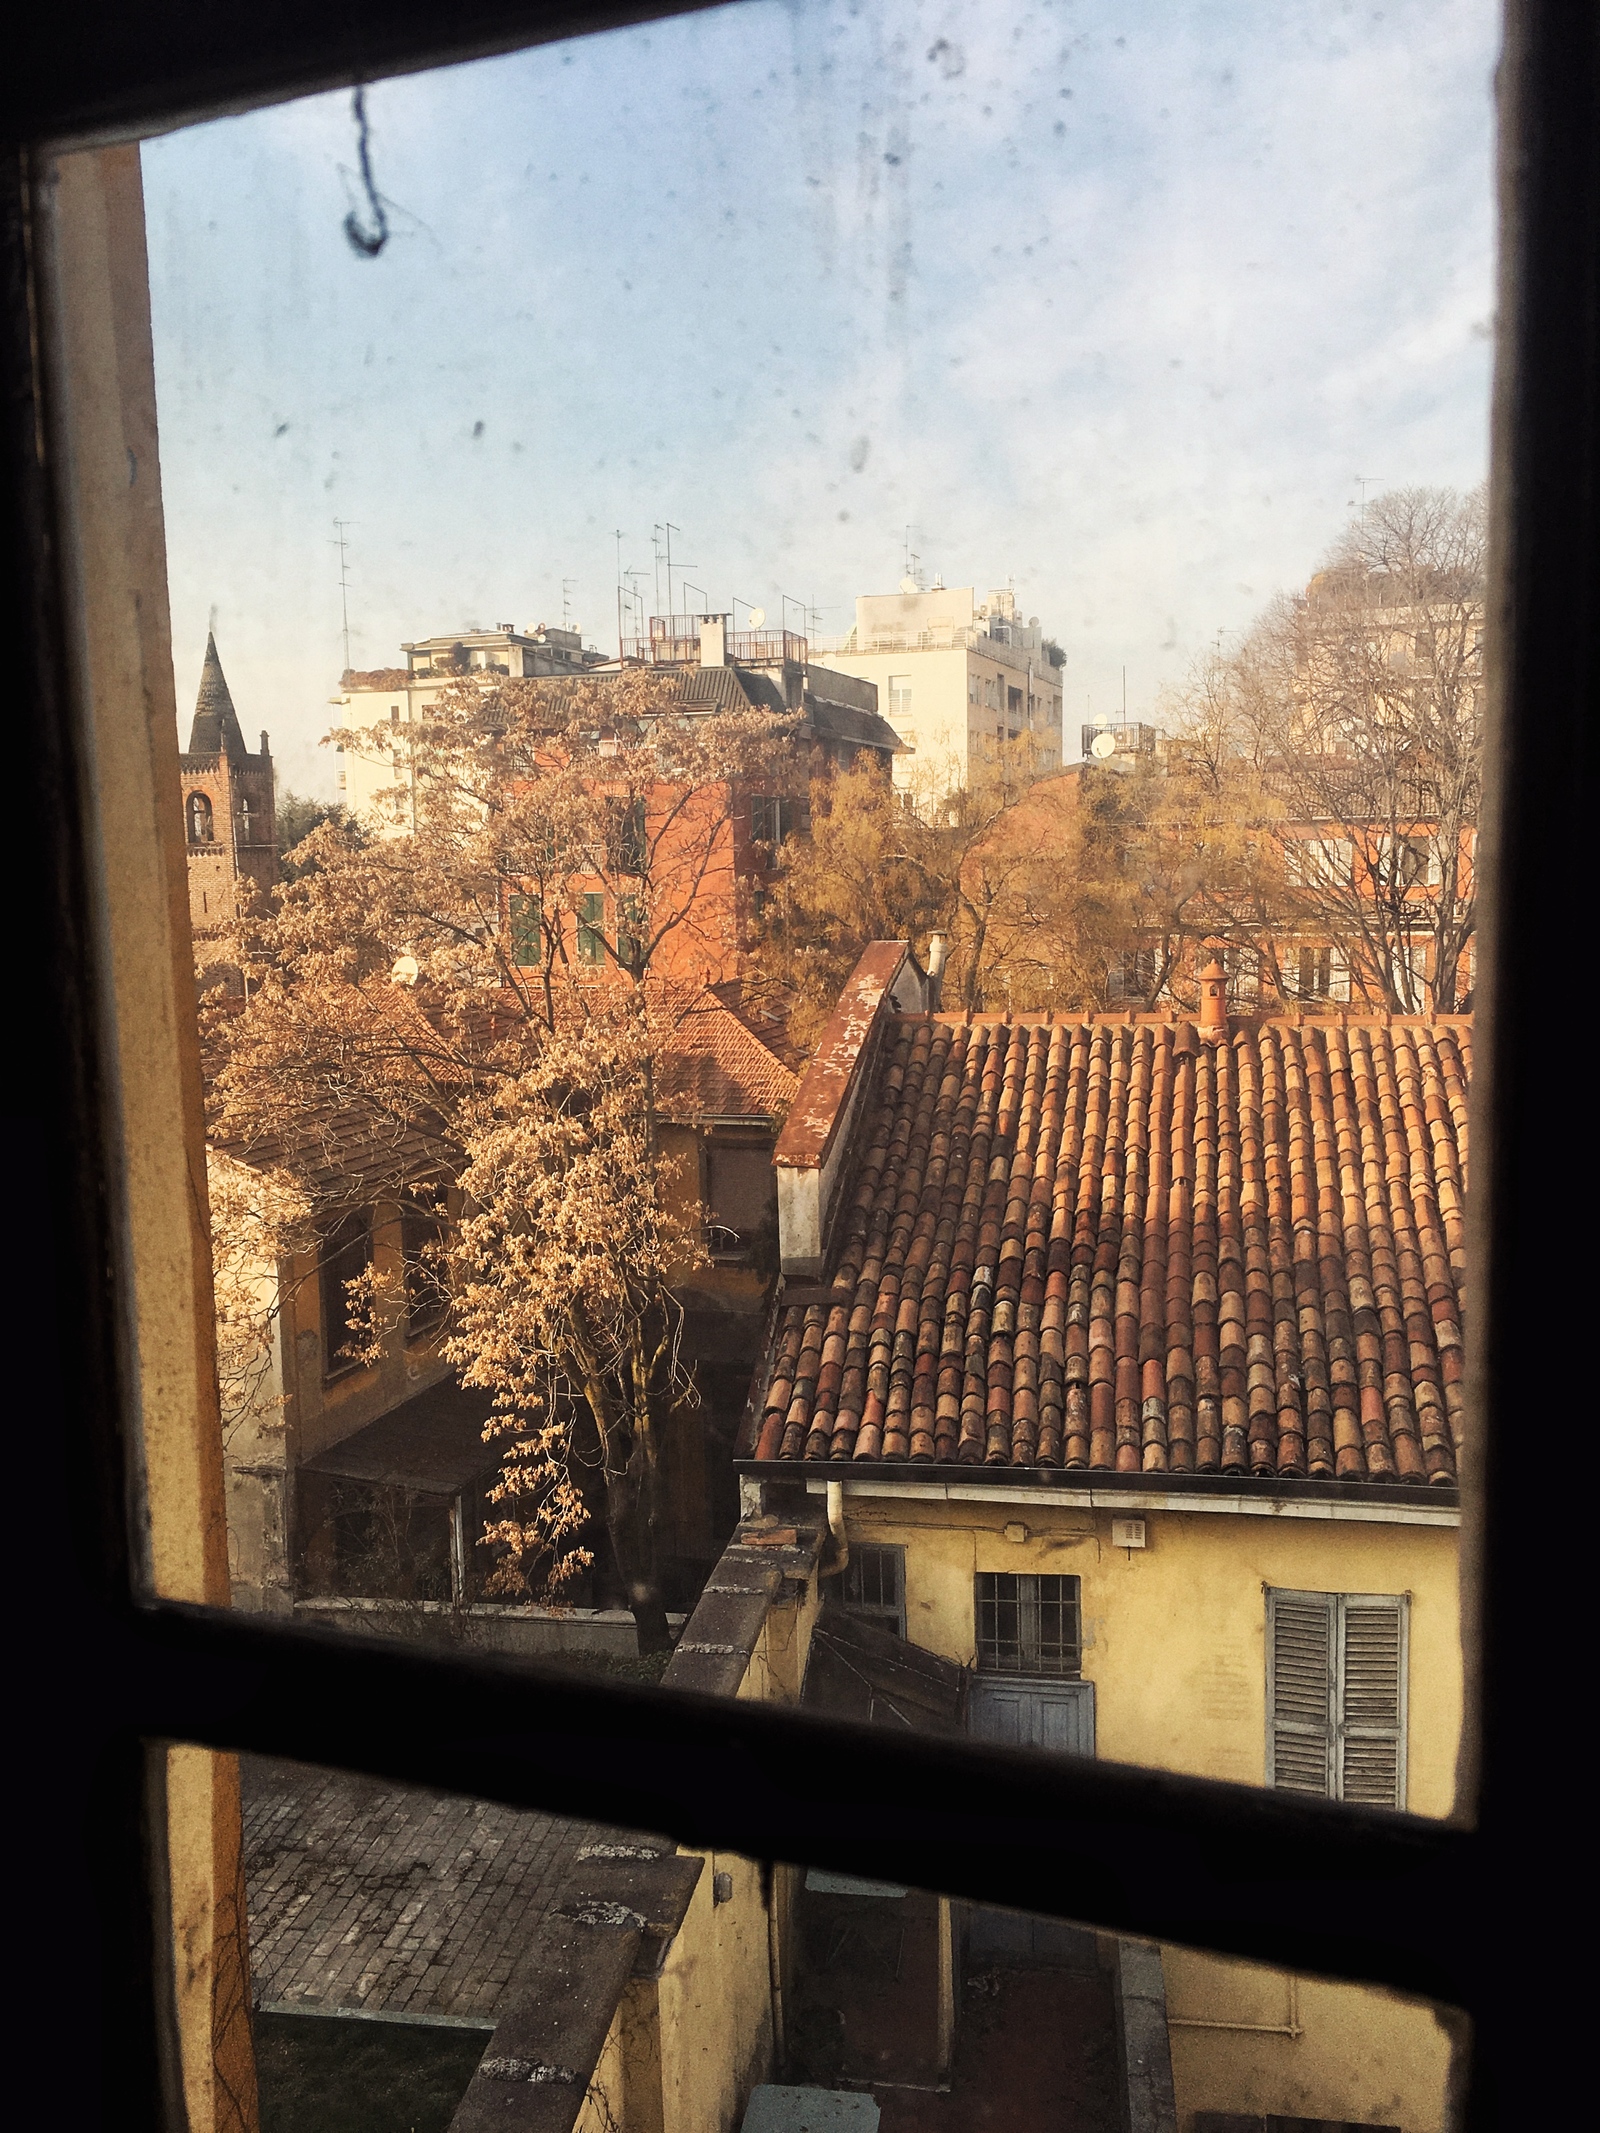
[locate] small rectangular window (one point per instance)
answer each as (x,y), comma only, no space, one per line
(772,818)
(1336,1695)
(899,696)
(422,1250)
(1028,1624)
(627,842)
(875,1585)
(345,1255)
(630,932)
(591,927)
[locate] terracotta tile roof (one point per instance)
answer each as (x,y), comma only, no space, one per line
(717,1067)
(1115,1246)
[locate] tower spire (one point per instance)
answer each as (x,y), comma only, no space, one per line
(216,729)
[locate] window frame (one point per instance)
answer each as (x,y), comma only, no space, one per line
(1028,1646)
(891,1618)
(1352,1893)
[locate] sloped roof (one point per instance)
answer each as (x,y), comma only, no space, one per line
(215,730)
(718,1068)
(1117,1246)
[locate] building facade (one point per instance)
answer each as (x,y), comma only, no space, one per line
(1122,1356)
(960,681)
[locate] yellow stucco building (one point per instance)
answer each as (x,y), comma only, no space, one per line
(1123,1357)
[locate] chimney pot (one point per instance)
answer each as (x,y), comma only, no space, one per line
(1213,997)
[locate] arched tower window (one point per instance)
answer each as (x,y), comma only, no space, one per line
(200,826)
(247,818)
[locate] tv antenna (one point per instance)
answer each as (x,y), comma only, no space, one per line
(343,547)
(617,537)
(1364,482)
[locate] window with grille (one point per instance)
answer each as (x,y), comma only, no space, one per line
(899,697)
(1336,1695)
(1028,1624)
(875,1585)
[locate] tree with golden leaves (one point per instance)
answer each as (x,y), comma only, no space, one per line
(471,1009)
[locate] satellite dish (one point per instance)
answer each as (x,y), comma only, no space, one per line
(1102,745)
(909,585)
(406,970)
(756,617)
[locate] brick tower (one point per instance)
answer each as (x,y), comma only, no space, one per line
(229,819)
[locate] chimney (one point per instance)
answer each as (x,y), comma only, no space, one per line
(1213,996)
(713,640)
(936,955)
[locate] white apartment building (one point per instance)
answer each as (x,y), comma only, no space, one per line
(956,679)
(370,780)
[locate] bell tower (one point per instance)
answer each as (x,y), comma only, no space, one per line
(229,814)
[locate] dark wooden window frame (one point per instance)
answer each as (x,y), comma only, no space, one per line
(1476,1912)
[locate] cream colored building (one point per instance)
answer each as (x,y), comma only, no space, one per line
(958,679)
(375,780)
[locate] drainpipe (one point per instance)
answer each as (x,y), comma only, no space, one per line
(841,1543)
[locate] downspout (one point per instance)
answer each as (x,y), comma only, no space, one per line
(841,1543)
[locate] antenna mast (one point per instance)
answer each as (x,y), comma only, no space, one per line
(342,545)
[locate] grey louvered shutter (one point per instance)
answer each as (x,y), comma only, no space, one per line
(1302,1649)
(1370,1742)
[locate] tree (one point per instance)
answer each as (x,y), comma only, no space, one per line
(295,817)
(872,868)
(478,1008)
(258,1217)
(1028,882)
(1363,701)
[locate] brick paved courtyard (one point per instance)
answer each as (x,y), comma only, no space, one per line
(369,1897)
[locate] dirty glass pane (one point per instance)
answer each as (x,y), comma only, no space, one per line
(827,666)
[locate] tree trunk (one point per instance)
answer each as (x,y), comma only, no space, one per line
(631,1525)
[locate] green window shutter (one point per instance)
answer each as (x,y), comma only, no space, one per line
(1370,1746)
(591,928)
(525,918)
(1302,1647)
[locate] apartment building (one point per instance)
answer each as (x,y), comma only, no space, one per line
(958,679)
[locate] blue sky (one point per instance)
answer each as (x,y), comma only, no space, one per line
(1115,302)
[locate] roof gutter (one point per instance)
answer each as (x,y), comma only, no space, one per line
(1374,1510)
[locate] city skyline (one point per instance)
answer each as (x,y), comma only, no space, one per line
(1126,325)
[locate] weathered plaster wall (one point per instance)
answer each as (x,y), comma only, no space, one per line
(1175,1643)
(714,2003)
(1363,2056)
(1175,1632)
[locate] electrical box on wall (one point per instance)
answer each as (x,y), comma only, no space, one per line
(1127,1533)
